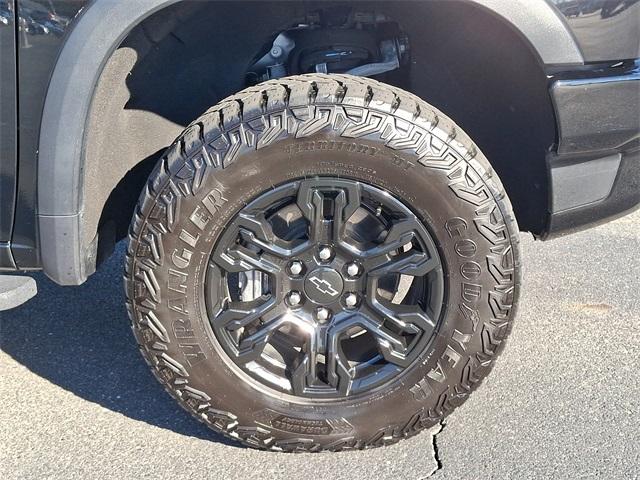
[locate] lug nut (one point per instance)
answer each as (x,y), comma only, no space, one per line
(325,253)
(351,300)
(353,270)
(322,314)
(294,299)
(295,267)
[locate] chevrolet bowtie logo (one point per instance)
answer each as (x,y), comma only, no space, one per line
(324,286)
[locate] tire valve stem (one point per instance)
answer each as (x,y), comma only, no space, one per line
(379,210)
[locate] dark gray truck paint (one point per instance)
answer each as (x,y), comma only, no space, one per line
(8,131)
(595,169)
(49,228)
(605,29)
(37,51)
(96,34)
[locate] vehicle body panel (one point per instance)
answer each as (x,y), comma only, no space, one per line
(94,37)
(41,35)
(604,29)
(61,55)
(595,168)
(8,128)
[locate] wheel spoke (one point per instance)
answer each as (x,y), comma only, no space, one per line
(252,346)
(240,314)
(311,204)
(339,375)
(387,257)
(321,340)
(409,318)
(241,259)
(328,206)
(345,204)
(258,226)
(256,230)
(401,233)
(251,244)
(416,264)
(391,345)
(305,373)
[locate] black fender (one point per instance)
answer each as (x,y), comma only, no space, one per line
(95,35)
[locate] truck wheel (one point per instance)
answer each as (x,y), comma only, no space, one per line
(322,262)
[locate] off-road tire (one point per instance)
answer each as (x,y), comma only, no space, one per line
(300,127)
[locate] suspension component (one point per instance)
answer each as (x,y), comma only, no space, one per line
(359,43)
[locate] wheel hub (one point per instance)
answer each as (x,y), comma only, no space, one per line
(324,288)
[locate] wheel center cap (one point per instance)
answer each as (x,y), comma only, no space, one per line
(323,285)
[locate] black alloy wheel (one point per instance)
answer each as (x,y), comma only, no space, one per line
(324,288)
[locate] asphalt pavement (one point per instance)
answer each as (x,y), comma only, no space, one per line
(77,401)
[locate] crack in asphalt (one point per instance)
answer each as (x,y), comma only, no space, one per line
(435,449)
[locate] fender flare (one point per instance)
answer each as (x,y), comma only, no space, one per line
(94,36)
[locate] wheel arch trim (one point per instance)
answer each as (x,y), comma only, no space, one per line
(95,35)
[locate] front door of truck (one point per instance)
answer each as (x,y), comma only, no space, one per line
(8,131)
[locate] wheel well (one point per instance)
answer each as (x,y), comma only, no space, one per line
(187,57)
